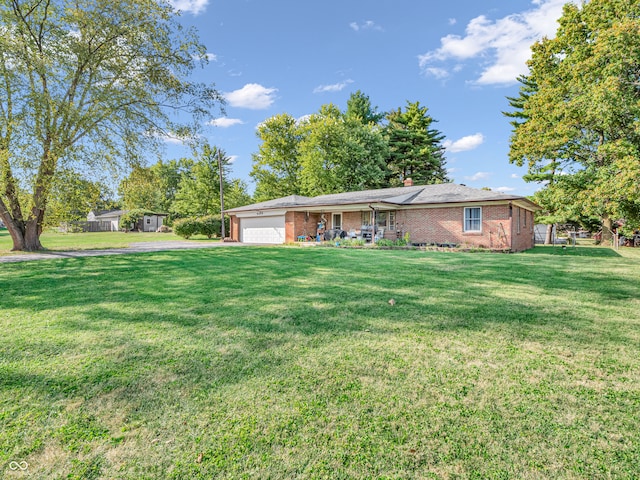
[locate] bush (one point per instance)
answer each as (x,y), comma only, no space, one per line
(353,242)
(210,226)
(186,227)
(385,242)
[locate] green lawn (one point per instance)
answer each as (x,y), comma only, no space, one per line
(97,240)
(291,363)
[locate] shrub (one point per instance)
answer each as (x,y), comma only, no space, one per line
(385,242)
(186,227)
(209,226)
(353,242)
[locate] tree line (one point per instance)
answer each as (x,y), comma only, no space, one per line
(327,152)
(576,120)
(332,151)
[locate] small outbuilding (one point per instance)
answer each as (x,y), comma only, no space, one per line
(150,222)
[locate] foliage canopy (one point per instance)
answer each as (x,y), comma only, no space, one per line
(333,151)
(87,83)
(577,119)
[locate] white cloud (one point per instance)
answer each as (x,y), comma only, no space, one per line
(194,7)
(503,189)
(253,96)
(303,119)
(464,144)
(232,158)
(505,43)
(478,176)
(515,175)
(209,57)
(368,25)
(172,140)
(437,72)
(336,87)
(452,21)
(225,122)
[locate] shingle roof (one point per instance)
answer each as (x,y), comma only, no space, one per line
(284,202)
(110,213)
(401,196)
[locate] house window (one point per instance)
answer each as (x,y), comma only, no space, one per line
(384,219)
(381,219)
(526,212)
(337,221)
(473,219)
(148,221)
(518,220)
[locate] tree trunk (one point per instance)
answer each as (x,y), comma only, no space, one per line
(17,233)
(548,239)
(32,236)
(25,236)
(607,232)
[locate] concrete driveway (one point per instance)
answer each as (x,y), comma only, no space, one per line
(141,247)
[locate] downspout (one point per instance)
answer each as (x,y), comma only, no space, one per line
(510,239)
(373,226)
(223,234)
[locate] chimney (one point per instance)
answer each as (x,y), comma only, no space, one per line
(408,182)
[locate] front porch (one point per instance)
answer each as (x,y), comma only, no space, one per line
(331,225)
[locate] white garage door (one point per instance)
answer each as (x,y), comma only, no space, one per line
(262,229)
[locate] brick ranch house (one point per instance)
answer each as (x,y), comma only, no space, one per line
(431,214)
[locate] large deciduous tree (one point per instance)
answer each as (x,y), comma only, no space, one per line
(276,166)
(359,108)
(339,154)
(579,109)
(86,82)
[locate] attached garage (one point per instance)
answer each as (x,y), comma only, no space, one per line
(262,229)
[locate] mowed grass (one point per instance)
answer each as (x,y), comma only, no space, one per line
(92,240)
(291,363)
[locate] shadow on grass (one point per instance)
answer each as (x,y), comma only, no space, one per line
(578,251)
(167,332)
(324,291)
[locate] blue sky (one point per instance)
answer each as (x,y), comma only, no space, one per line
(458,58)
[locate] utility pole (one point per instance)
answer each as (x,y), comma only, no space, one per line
(222,231)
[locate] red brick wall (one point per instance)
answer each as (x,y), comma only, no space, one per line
(427,225)
(234,226)
(524,238)
(352,221)
(445,225)
(300,224)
